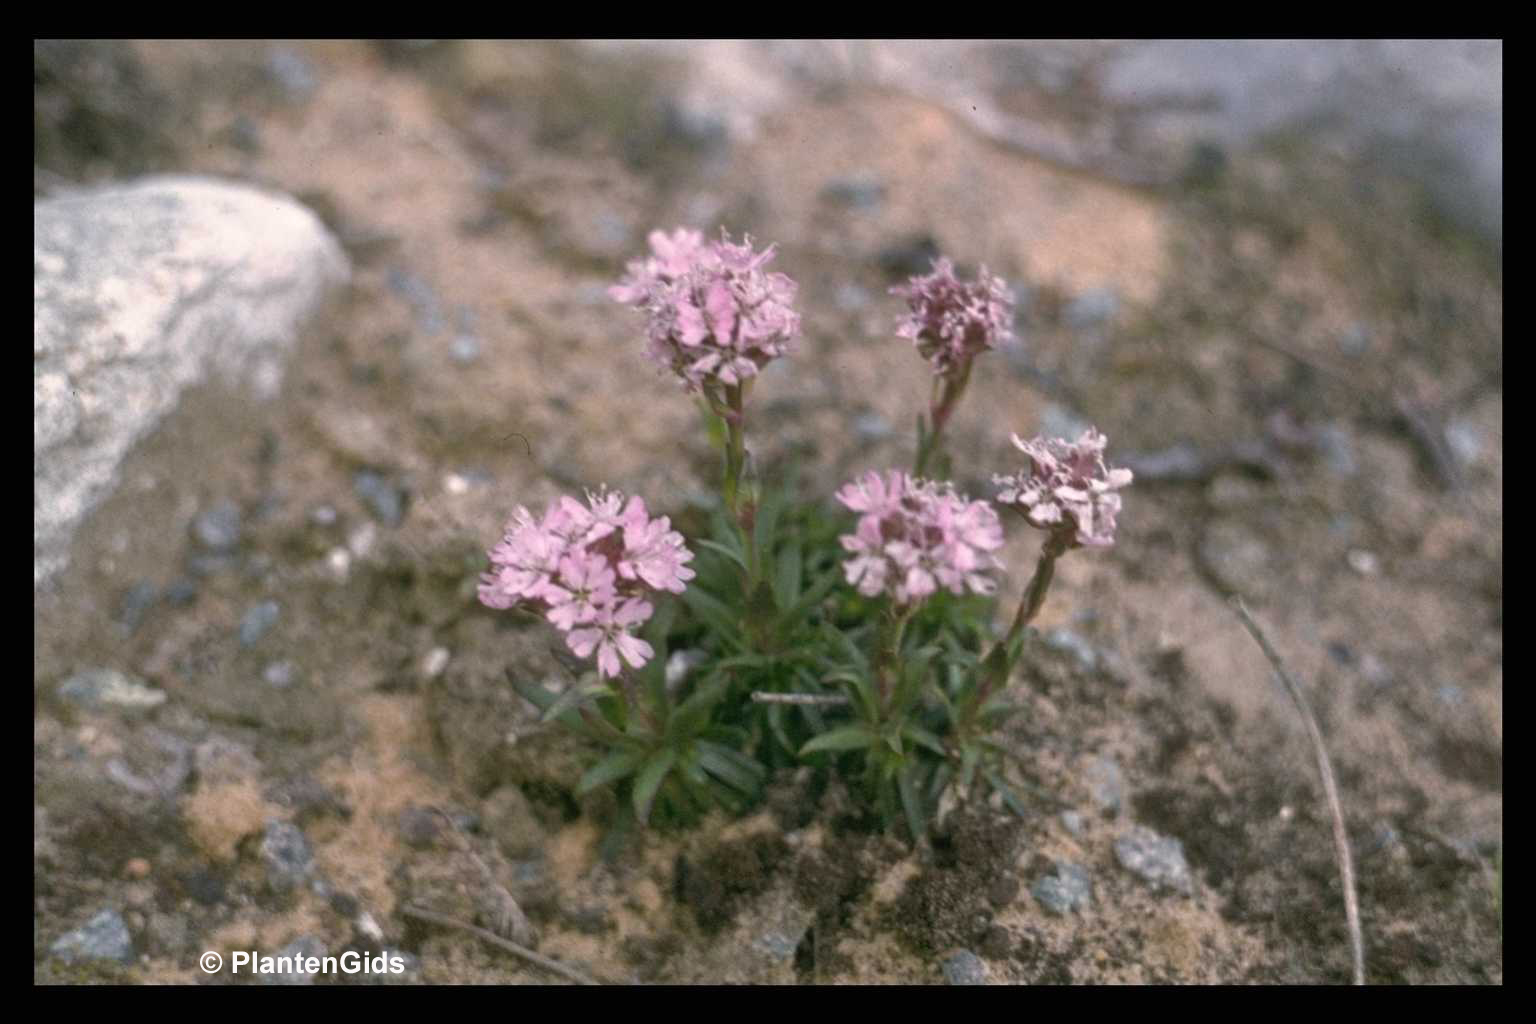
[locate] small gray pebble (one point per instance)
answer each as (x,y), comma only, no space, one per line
(1067,890)
(281,674)
(287,855)
(965,968)
(98,688)
(137,602)
(385,500)
(218,527)
(1106,784)
(181,593)
(1156,859)
(103,937)
(259,618)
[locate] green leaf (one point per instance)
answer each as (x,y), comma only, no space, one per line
(767,520)
(863,691)
(728,766)
(840,639)
(970,757)
(820,589)
(776,726)
(715,614)
(733,553)
(612,768)
(914,671)
(750,661)
(911,800)
(575,697)
(942,777)
(849,737)
(924,738)
(532,692)
(649,781)
(689,716)
(786,575)
(1009,796)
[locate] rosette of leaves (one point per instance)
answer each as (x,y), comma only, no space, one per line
(666,753)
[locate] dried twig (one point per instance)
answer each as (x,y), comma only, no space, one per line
(824,699)
(554,966)
(1330,788)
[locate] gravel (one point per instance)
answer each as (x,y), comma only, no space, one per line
(965,968)
(102,688)
(218,528)
(103,937)
(287,856)
(258,620)
(1156,859)
(1069,889)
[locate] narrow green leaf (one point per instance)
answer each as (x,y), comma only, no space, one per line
(818,590)
(911,800)
(924,738)
(610,769)
(849,737)
(862,690)
(575,697)
(776,726)
(786,575)
(844,641)
(649,781)
(767,520)
(733,553)
(689,716)
(1009,796)
(531,691)
(715,614)
(731,768)
(970,757)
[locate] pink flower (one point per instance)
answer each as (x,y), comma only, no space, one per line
(1066,488)
(916,536)
(589,569)
(610,636)
(714,316)
(951,322)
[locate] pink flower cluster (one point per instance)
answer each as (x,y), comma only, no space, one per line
(1066,488)
(951,322)
(714,315)
(589,569)
(915,536)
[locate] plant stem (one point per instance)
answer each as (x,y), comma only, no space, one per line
(741,507)
(1029,606)
(947,391)
(1039,583)
(890,651)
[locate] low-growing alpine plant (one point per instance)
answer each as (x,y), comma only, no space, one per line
(856,634)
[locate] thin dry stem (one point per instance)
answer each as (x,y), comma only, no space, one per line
(1330,788)
(826,699)
(554,966)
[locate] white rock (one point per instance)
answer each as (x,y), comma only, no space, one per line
(141,291)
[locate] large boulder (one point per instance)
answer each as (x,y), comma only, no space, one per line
(139,292)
